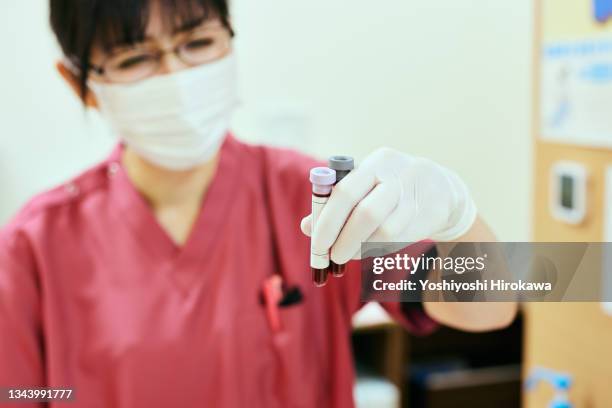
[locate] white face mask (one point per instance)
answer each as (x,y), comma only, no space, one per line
(176,121)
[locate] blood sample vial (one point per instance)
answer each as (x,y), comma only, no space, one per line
(322,179)
(343,165)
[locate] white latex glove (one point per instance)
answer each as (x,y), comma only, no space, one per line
(392,197)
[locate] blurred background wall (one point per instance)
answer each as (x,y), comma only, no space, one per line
(446,79)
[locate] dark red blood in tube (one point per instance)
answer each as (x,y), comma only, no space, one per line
(319,276)
(337,270)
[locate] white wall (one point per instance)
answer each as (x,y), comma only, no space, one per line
(45,136)
(447,79)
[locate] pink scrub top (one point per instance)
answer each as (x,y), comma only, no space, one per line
(96,297)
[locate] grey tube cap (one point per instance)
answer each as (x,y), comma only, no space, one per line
(341,163)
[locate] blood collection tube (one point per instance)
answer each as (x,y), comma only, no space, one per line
(343,165)
(322,179)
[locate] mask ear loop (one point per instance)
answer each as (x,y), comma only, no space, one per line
(76,71)
(70,66)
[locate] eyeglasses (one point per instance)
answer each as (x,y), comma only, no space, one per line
(136,63)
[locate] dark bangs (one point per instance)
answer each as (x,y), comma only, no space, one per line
(81,24)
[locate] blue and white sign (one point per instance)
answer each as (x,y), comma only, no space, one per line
(576,92)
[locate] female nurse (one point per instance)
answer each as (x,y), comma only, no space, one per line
(139,282)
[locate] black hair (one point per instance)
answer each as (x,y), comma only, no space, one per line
(81,24)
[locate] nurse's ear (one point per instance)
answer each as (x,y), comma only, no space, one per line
(74,82)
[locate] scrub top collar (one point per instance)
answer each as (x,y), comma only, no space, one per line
(136,214)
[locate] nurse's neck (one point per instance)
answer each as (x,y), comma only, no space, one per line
(174,196)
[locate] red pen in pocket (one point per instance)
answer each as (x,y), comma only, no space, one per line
(272,295)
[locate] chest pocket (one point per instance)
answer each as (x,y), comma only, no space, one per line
(300,367)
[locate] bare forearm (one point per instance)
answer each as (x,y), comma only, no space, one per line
(473,316)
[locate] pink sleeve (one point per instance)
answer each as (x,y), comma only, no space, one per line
(410,315)
(21,361)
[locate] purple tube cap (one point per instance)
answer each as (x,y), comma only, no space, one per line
(322,176)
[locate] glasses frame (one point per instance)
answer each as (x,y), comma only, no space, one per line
(160,53)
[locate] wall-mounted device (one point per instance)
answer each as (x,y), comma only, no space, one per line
(568,193)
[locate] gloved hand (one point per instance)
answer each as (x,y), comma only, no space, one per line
(392,197)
